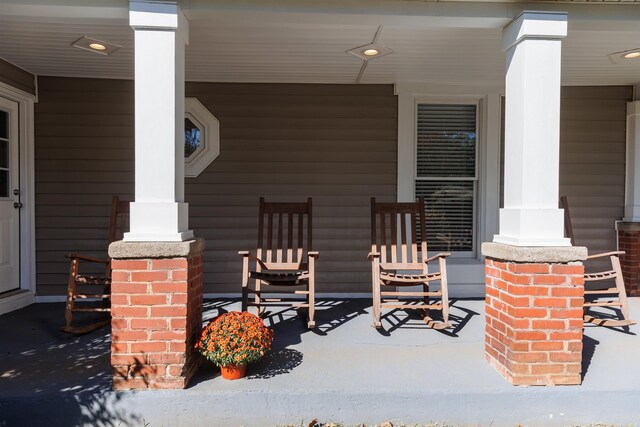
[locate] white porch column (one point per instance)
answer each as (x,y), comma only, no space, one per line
(531,216)
(161,33)
(632,185)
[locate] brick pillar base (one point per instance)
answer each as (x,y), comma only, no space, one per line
(156,309)
(534,308)
(629,242)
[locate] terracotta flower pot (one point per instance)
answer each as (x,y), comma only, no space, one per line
(233,372)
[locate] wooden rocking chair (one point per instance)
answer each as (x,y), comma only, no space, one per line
(82,287)
(616,295)
(281,266)
(400,267)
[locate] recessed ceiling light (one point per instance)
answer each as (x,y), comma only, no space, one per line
(622,57)
(95,46)
(370,51)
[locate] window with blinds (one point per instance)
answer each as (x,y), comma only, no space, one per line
(446,173)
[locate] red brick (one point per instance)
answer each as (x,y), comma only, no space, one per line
(168,335)
(119,264)
(549,279)
(550,302)
(175,346)
(547,369)
(529,357)
(119,324)
(565,379)
(515,301)
(566,335)
(179,323)
(169,311)
(491,271)
(167,383)
(566,357)
(176,370)
(567,313)
(573,368)
(528,268)
(169,264)
(530,335)
(547,346)
(128,288)
(150,324)
(148,299)
(129,383)
(168,287)
(525,313)
(574,346)
(120,276)
(179,275)
(120,371)
(119,299)
(548,324)
(516,279)
(119,347)
(179,298)
(519,368)
(147,370)
(567,269)
(129,336)
(576,302)
(572,291)
(177,358)
(577,280)
(128,312)
(148,276)
(528,290)
(149,347)
(127,359)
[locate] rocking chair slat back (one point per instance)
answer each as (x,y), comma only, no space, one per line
(118,223)
(403,249)
(284,242)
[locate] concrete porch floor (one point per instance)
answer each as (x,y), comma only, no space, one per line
(344,371)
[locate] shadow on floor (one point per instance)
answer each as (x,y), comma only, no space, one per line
(68,375)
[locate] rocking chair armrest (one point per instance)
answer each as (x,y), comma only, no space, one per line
(436,256)
(373,255)
(88,258)
(253,258)
(604,254)
(314,254)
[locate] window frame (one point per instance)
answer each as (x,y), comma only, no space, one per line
(476,178)
(209,148)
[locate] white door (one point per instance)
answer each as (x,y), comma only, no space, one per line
(9,197)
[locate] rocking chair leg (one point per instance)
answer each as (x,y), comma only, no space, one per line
(71,294)
(311,323)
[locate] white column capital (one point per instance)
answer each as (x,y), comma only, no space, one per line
(158,15)
(534,25)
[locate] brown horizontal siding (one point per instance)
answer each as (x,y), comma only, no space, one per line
(17,77)
(592,161)
(336,143)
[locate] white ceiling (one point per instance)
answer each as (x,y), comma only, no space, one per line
(251,49)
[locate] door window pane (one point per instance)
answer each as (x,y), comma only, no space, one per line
(4,183)
(4,154)
(4,124)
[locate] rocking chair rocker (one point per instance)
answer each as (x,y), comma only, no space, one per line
(278,266)
(77,299)
(400,267)
(616,295)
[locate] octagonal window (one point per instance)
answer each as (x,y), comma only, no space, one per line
(201,137)
(192,138)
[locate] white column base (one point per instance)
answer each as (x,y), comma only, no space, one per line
(532,227)
(159,222)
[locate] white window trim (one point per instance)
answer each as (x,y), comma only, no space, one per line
(209,149)
(26,294)
(487,98)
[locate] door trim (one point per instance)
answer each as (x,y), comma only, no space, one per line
(26,294)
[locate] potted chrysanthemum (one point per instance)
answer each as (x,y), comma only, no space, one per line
(234,339)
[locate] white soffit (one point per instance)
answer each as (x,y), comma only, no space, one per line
(263,50)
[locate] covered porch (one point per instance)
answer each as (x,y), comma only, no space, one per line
(342,372)
(287,112)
